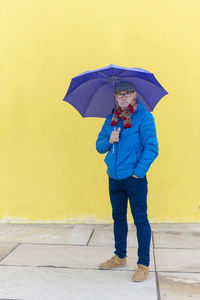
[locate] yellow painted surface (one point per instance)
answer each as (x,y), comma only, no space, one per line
(50,170)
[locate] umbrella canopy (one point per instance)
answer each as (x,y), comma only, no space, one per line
(92,92)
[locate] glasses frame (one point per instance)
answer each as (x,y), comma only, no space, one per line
(126,94)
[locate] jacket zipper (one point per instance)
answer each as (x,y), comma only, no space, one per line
(116,161)
(121,125)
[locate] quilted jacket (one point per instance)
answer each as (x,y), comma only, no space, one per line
(137,147)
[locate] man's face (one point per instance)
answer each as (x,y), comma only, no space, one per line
(124,98)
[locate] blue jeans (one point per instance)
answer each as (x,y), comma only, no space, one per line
(136,190)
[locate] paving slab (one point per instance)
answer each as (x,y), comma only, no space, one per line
(57,283)
(68,256)
(174,239)
(180,227)
(6,248)
(157,227)
(177,260)
(110,226)
(179,286)
(77,234)
(106,238)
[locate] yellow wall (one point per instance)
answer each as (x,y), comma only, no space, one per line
(50,170)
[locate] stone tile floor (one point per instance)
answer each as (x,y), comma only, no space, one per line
(60,261)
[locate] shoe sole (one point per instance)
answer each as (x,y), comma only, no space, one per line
(138,280)
(135,280)
(124,265)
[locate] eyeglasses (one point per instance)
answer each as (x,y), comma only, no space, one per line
(127,94)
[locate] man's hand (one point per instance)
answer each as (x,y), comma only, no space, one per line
(114,137)
(135,176)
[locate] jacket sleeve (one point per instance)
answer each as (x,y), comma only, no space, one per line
(150,145)
(102,143)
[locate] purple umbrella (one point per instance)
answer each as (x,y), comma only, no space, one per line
(92,92)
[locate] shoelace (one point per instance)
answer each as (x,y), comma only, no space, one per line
(139,270)
(112,258)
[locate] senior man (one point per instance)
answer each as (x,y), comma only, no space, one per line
(132,146)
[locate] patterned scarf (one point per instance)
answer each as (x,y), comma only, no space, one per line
(124,113)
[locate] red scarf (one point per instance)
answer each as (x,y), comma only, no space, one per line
(124,113)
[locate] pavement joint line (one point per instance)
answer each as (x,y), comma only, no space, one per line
(64,267)
(90,236)
(195,249)
(85,245)
(177,232)
(73,245)
(179,272)
(9,252)
(156,274)
(51,244)
(118,270)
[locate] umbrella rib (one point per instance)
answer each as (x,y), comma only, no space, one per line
(104,74)
(144,100)
(93,96)
(107,76)
(81,85)
(121,72)
(157,84)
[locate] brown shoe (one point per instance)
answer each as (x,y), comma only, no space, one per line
(114,262)
(141,273)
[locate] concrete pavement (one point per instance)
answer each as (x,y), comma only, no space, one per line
(60,261)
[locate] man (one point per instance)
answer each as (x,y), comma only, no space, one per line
(131,148)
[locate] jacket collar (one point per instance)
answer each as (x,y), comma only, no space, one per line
(140,106)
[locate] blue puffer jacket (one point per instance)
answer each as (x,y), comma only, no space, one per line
(137,147)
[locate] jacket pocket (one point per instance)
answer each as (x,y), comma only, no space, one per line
(134,157)
(138,155)
(126,159)
(109,159)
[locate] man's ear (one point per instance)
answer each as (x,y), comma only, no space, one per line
(135,94)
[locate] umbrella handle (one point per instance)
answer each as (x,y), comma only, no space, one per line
(113,149)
